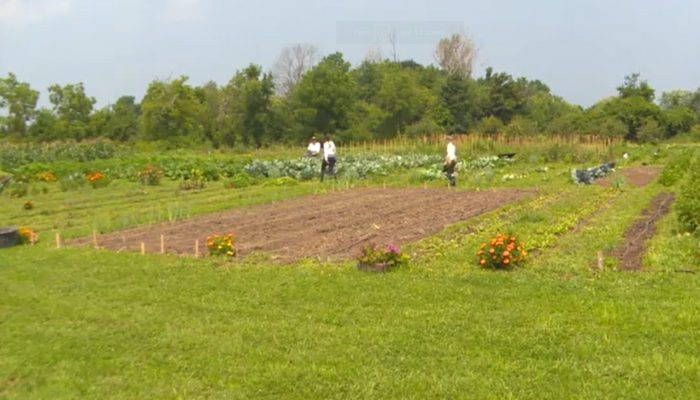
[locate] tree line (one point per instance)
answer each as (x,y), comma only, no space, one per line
(304,95)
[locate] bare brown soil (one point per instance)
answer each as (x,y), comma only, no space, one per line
(334,225)
(631,252)
(637,176)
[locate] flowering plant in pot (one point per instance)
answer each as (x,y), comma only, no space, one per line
(374,258)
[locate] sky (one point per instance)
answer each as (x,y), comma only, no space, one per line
(582,49)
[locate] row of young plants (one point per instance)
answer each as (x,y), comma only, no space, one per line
(15,155)
(536,225)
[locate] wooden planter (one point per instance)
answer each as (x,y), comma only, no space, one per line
(378,267)
(8,236)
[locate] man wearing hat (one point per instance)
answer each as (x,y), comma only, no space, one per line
(314,148)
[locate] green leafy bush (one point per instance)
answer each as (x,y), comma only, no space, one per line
(676,168)
(688,200)
(240,180)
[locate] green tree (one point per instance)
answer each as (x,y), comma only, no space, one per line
(20,101)
(677,120)
(73,107)
(325,97)
(634,87)
(543,108)
(402,99)
(456,97)
(171,111)
(506,97)
(633,112)
(251,111)
(46,126)
(123,122)
(676,98)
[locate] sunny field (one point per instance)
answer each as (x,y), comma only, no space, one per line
(85,323)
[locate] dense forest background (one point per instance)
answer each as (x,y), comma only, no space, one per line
(305,94)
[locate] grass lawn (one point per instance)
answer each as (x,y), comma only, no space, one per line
(87,324)
(81,323)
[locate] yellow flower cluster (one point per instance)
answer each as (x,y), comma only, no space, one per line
(221,244)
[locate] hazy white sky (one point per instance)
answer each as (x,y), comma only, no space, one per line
(581,49)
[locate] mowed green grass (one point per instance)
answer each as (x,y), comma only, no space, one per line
(77,323)
(80,323)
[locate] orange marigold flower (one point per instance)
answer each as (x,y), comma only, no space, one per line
(505,261)
(492,250)
(506,253)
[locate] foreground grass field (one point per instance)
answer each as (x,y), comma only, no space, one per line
(101,325)
(83,323)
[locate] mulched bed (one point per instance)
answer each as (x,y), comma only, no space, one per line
(631,252)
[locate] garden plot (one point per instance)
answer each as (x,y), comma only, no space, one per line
(631,252)
(637,176)
(334,225)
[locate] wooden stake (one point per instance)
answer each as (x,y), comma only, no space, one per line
(143,248)
(58,240)
(425,185)
(599,255)
(162,244)
(384,184)
(94,239)
(196,248)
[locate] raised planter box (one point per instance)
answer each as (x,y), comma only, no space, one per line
(8,236)
(380,267)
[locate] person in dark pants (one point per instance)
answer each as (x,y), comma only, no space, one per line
(328,163)
(450,162)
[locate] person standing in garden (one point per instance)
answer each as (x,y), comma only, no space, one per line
(450,161)
(328,162)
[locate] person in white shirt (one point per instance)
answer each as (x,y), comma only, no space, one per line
(314,148)
(450,161)
(328,158)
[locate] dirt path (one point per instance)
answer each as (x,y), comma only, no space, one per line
(637,176)
(631,252)
(334,225)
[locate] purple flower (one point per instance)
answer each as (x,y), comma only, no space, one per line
(391,248)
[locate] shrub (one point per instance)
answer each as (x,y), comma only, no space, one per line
(675,169)
(149,175)
(501,252)
(688,201)
(240,180)
(29,205)
(391,255)
(221,245)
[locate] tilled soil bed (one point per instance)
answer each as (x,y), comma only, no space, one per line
(636,236)
(637,176)
(334,225)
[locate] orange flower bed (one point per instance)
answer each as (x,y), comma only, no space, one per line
(501,252)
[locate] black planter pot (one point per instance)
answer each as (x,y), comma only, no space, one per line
(8,236)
